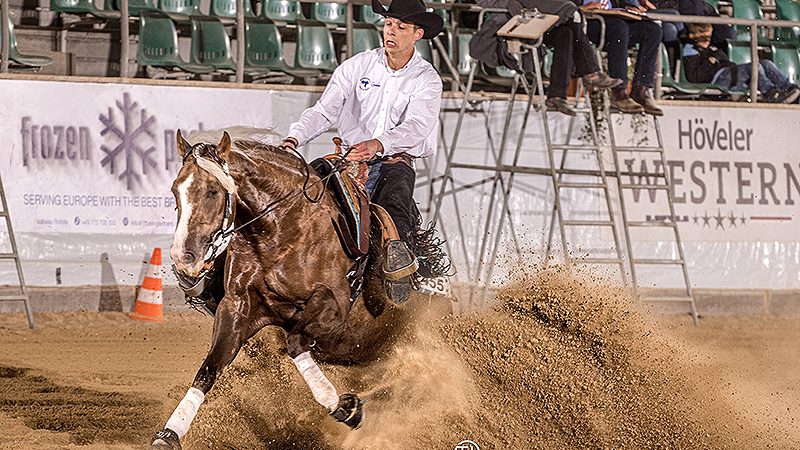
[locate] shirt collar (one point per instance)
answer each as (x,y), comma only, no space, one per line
(385,61)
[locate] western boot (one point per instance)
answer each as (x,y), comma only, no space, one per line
(641,95)
(625,104)
(399,264)
(599,80)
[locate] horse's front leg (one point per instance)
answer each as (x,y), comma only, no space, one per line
(231,330)
(347,408)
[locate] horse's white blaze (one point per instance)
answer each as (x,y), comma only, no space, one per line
(322,389)
(184,414)
(182,230)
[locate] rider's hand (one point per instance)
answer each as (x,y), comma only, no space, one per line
(289,144)
(364,151)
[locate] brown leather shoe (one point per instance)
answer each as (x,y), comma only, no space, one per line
(625,104)
(641,95)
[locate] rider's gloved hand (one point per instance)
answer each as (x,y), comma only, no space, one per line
(289,144)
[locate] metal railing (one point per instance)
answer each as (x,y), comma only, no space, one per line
(456,7)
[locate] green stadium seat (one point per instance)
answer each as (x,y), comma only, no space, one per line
(135,7)
(788,10)
(158,45)
(368,16)
(82,7)
(282,11)
(264,51)
(180,10)
(226,9)
(15,56)
(787,59)
(334,14)
(365,37)
(424,49)
(464,58)
(211,45)
(749,9)
(315,48)
(670,84)
(739,52)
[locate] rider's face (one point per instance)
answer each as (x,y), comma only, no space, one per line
(399,37)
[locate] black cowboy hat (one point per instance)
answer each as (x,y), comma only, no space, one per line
(412,11)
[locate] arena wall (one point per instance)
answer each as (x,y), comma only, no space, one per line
(88,166)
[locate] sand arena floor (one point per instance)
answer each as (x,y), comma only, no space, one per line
(557,364)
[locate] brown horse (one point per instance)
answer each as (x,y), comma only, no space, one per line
(284,267)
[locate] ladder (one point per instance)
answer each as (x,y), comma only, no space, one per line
(599,183)
(22,296)
(661,183)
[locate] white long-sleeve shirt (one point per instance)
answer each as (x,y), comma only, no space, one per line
(369,100)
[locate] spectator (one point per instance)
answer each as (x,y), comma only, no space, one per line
(721,33)
(620,35)
(705,63)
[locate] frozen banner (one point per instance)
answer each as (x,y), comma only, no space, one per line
(735,173)
(100,158)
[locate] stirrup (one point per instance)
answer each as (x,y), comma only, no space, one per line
(400,261)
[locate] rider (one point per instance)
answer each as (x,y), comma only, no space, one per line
(386,103)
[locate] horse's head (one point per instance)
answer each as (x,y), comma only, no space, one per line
(203,191)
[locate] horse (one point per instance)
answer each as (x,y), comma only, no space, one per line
(284,267)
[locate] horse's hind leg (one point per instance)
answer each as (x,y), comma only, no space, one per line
(231,330)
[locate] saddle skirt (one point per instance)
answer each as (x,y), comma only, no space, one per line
(349,188)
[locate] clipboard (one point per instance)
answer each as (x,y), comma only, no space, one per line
(527,25)
(619,12)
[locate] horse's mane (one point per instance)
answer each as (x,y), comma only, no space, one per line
(256,145)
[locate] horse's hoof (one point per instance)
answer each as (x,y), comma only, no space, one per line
(349,411)
(166,439)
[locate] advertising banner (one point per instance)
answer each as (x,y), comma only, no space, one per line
(100,158)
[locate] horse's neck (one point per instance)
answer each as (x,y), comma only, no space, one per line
(271,177)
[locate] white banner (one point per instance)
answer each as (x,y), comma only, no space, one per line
(735,173)
(100,158)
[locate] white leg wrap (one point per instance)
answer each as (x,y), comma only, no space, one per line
(322,389)
(184,414)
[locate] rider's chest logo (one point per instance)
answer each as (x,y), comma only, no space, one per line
(365,83)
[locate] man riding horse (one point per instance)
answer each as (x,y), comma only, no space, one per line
(386,103)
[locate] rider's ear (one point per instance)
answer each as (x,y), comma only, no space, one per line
(224,145)
(183,146)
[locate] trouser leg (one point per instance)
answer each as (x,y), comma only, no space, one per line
(560,39)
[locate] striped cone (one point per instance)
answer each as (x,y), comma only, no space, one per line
(149,303)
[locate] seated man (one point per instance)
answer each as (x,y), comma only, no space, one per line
(620,35)
(705,63)
(571,46)
(386,103)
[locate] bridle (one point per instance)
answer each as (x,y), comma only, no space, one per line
(193,287)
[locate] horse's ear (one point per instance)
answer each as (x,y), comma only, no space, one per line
(224,145)
(183,146)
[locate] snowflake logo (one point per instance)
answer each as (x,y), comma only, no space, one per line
(128,135)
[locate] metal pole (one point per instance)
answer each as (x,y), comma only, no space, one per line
(5,37)
(754,64)
(659,74)
(349,23)
(240,40)
(124,31)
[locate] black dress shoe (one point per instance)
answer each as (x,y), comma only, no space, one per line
(559,104)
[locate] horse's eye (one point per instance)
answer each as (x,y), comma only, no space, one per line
(211,194)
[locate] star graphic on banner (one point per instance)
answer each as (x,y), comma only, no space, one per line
(743,219)
(695,219)
(732,217)
(719,218)
(706,219)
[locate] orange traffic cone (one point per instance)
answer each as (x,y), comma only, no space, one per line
(149,303)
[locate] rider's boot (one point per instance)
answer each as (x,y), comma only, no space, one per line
(399,264)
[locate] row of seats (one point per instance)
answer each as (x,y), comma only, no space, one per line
(315,53)
(280,11)
(751,9)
